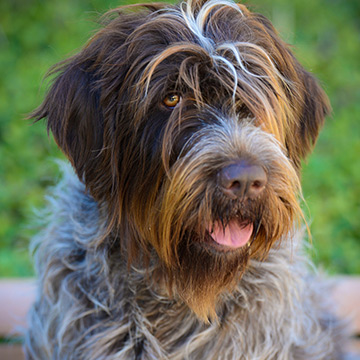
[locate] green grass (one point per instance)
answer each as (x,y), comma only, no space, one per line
(36,34)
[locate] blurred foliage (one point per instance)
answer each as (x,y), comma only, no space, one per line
(35,34)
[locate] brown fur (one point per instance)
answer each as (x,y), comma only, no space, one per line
(153,170)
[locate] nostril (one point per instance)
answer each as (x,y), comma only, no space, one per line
(234,189)
(256,188)
(235,185)
(242,180)
(258,184)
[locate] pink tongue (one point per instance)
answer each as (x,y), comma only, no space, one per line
(234,235)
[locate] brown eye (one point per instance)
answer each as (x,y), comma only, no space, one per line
(171,100)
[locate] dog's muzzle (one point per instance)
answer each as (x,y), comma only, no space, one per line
(242,180)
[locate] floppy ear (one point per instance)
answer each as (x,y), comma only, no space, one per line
(83,107)
(75,117)
(313,107)
(73,114)
(305,97)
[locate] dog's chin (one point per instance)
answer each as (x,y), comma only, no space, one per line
(208,268)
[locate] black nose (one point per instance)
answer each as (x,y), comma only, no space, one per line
(242,180)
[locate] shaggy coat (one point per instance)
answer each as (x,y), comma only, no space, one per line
(179,237)
(92,306)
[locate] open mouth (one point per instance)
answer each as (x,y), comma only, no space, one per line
(233,235)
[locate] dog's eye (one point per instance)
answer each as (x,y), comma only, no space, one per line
(171,100)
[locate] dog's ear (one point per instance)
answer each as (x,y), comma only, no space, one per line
(313,106)
(75,118)
(308,102)
(73,113)
(82,104)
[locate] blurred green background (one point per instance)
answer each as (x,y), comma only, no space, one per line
(35,34)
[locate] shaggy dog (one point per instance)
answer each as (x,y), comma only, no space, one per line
(179,238)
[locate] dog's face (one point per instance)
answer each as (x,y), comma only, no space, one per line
(189,124)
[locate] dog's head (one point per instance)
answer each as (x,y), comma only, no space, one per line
(189,124)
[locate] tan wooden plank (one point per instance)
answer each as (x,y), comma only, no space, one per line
(11,352)
(16,297)
(347,298)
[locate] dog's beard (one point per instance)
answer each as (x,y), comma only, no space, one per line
(204,270)
(204,274)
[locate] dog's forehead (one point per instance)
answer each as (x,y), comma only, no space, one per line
(215,48)
(212,25)
(206,22)
(219,37)
(188,36)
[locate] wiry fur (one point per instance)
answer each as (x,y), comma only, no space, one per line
(128,266)
(94,307)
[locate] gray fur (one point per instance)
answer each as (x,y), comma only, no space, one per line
(91,306)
